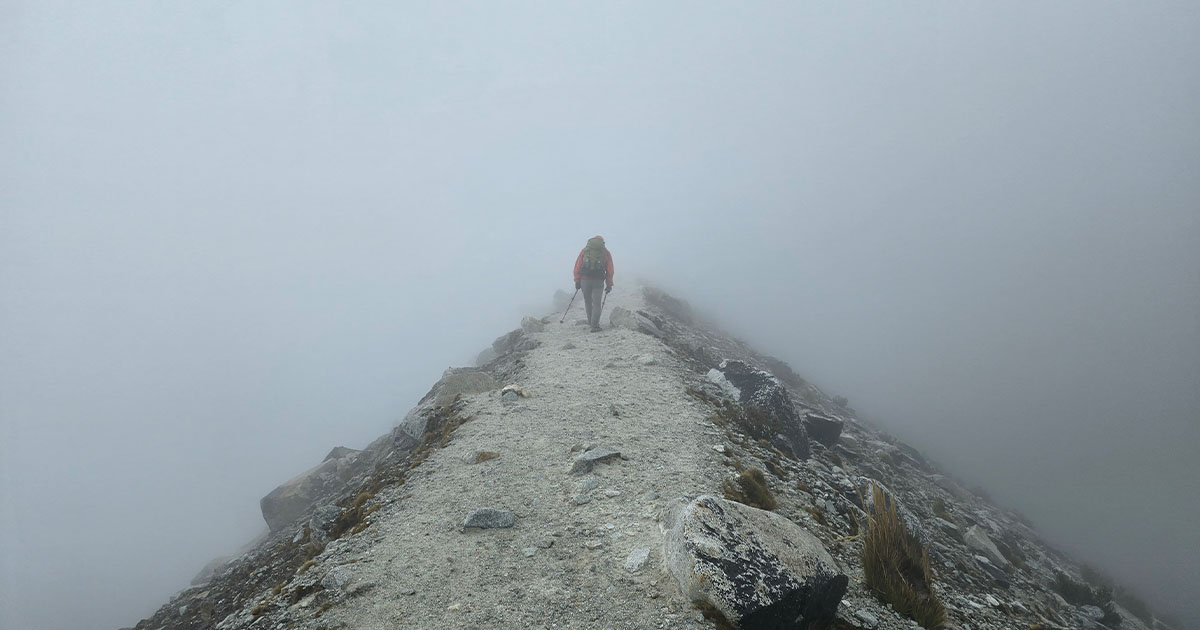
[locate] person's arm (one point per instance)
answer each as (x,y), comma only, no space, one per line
(608,275)
(578,261)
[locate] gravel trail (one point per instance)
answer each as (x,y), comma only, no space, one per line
(563,565)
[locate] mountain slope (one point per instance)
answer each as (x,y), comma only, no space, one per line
(578,536)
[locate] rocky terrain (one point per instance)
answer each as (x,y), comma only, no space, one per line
(657,474)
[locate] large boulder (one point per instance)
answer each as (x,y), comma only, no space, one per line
(291,500)
(770,414)
(624,318)
(758,569)
(515,341)
(977,540)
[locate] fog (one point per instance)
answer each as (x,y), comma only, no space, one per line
(236,234)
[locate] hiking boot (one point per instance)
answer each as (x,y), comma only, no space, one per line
(595,329)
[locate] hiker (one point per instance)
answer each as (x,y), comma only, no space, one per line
(593,272)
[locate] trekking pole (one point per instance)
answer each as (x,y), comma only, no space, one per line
(564,317)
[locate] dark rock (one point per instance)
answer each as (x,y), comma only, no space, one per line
(996,573)
(822,429)
(759,569)
(769,412)
(599,455)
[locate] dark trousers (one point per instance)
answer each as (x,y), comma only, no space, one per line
(593,297)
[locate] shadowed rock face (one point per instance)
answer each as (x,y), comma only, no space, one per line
(822,429)
(758,569)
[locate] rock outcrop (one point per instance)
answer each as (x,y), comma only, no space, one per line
(291,500)
(771,415)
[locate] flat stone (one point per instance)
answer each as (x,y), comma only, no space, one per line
(581,499)
(490,518)
(866,618)
(636,560)
(588,484)
(599,455)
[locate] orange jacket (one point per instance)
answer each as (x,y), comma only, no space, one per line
(608,272)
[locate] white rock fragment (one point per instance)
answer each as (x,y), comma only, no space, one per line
(636,560)
(717,377)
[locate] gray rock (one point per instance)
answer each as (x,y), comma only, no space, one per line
(625,318)
(464,383)
(288,502)
(1095,613)
(485,357)
(336,579)
(510,396)
(532,325)
(993,571)
(647,359)
(599,455)
(490,518)
(867,619)
(322,519)
(569,346)
(977,540)
(757,568)
(581,499)
(507,342)
(589,484)
(637,559)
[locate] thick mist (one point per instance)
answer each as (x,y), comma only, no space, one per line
(234,235)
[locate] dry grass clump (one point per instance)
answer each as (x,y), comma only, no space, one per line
(896,566)
(751,489)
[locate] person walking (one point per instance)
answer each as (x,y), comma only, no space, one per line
(594,276)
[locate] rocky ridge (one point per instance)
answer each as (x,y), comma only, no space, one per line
(575,480)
